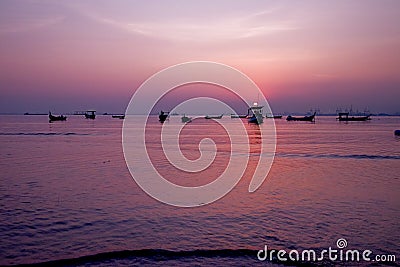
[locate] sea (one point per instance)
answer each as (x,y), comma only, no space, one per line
(67,197)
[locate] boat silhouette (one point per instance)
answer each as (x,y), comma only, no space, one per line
(90,114)
(163,116)
(118,116)
(305,118)
(214,117)
(186,119)
(254,114)
(56,118)
(273,116)
(235,116)
(344,116)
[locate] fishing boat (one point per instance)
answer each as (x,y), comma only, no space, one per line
(163,116)
(305,118)
(254,114)
(214,117)
(186,119)
(56,118)
(344,116)
(90,114)
(118,116)
(235,116)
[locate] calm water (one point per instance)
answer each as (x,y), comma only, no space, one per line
(66,193)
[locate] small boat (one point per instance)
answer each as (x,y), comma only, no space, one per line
(90,114)
(397,132)
(56,118)
(214,117)
(163,116)
(273,117)
(235,116)
(344,116)
(254,114)
(186,119)
(118,116)
(305,118)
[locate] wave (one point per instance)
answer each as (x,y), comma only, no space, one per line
(336,156)
(46,134)
(164,255)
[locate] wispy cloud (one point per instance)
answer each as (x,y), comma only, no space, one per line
(189,30)
(28,24)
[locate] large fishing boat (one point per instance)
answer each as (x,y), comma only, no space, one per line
(254,114)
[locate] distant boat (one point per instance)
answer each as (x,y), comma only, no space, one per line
(273,116)
(118,116)
(305,118)
(235,116)
(27,113)
(214,117)
(186,119)
(56,118)
(90,114)
(254,114)
(397,132)
(344,116)
(163,116)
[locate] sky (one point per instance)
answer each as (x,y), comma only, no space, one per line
(76,55)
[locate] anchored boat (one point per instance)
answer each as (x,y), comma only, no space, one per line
(235,116)
(273,116)
(254,114)
(305,118)
(186,119)
(118,116)
(90,114)
(214,117)
(344,116)
(163,116)
(56,118)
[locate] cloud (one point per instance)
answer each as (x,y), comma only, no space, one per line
(231,28)
(27,24)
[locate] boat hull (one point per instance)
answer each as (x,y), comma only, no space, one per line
(118,117)
(238,116)
(305,118)
(57,118)
(213,117)
(162,117)
(255,119)
(365,118)
(90,116)
(186,119)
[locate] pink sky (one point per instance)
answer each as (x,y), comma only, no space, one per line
(74,55)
